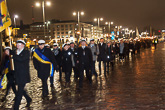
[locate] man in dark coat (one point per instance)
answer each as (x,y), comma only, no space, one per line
(126,44)
(131,47)
(138,46)
(42,68)
(122,50)
(102,55)
(21,58)
(85,62)
(74,59)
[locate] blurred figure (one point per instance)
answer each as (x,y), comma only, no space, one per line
(47,45)
(110,56)
(85,62)
(44,62)
(21,58)
(74,60)
(58,57)
(5,66)
(95,51)
(131,47)
(102,55)
(122,50)
(66,62)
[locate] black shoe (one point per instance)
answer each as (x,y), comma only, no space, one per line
(28,103)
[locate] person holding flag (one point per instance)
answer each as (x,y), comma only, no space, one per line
(45,64)
(5,67)
(21,58)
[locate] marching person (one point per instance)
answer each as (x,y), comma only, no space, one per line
(5,66)
(66,62)
(74,60)
(85,61)
(131,47)
(114,48)
(21,58)
(110,56)
(122,50)
(47,45)
(95,51)
(126,44)
(102,55)
(138,46)
(45,64)
(58,56)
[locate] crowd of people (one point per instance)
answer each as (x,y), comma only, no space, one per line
(70,57)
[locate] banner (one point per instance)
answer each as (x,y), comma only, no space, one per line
(113,33)
(5,20)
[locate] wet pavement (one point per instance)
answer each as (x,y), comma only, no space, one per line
(136,84)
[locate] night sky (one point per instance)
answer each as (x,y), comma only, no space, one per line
(128,13)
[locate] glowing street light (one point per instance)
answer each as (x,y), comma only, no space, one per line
(82,13)
(16,16)
(48,3)
(38,4)
(101,19)
(74,14)
(95,19)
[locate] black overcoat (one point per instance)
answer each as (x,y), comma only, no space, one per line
(21,65)
(66,60)
(44,69)
(102,52)
(85,58)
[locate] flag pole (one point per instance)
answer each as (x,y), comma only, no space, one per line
(11,56)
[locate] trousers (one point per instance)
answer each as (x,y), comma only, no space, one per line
(21,92)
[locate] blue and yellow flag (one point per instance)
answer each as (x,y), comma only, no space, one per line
(5,20)
(43,59)
(3,82)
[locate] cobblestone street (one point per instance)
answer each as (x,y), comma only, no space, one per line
(136,84)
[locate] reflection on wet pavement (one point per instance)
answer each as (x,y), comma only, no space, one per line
(136,84)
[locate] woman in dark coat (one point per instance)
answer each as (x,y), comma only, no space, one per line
(10,75)
(110,55)
(66,62)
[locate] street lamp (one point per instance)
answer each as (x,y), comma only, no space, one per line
(109,25)
(98,22)
(47,3)
(48,22)
(15,17)
(78,14)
